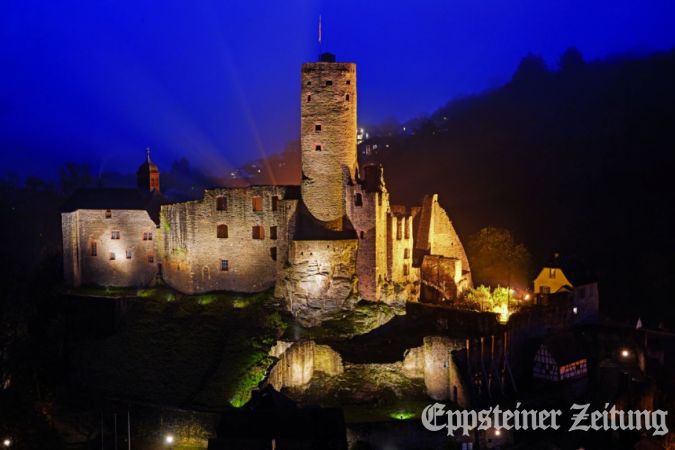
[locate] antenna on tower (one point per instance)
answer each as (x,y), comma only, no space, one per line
(320,37)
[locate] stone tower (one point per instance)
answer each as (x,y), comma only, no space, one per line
(147,176)
(327,136)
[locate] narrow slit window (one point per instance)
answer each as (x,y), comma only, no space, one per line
(406,253)
(151,259)
(273,233)
(258,232)
(317,147)
(358,200)
(317,127)
(257,203)
(399,229)
(273,253)
(309,98)
(128,254)
(348,82)
(275,203)
(329,82)
(405,270)
(347,97)
(94,249)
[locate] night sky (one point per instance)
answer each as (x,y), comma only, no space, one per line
(218,82)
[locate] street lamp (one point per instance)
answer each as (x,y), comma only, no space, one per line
(625,353)
(7,443)
(169,439)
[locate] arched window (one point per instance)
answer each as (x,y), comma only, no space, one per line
(222,231)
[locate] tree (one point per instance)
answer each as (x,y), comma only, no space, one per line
(73,176)
(532,68)
(571,60)
(498,260)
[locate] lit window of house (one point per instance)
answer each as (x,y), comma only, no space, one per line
(115,235)
(221,203)
(273,233)
(221,231)
(224,265)
(258,232)
(257,203)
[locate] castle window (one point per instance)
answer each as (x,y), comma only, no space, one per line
(399,229)
(147,236)
(317,127)
(128,254)
(151,259)
(406,253)
(275,203)
(257,203)
(407,229)
(273,253)
(329,83)
(94,250)
(221,203)
(309,83)
(224,265)
(545,289)
(221,231)
(362,235)
(358,200)
(115,235)
(258,232)
(317,147)
(405,270)
(347,97)
(273,233)
(309,98)
(108,214)
(112,256)
(348,82)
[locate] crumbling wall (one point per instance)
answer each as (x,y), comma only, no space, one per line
(298,362)
(433,361)
(319,279)
(125,261)
(193,253)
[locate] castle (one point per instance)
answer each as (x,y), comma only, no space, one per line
(322,246)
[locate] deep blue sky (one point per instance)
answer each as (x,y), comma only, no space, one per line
(218,81)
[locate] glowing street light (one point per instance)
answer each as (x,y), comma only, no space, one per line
(169,439)
(575,310)
(7,443)
(527,296)
(625,353)
(498,433)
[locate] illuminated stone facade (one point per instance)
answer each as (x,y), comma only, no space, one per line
(322,245)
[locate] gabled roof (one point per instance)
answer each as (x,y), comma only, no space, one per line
(565,348)
(107,198)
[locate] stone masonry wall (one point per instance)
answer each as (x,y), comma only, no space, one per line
(328,101)
(319,279)
(192,251)
(122,257)
(298,362)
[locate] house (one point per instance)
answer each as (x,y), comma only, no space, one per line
(560,357)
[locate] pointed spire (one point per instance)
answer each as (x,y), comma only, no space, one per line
(147,153)
(320,37)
